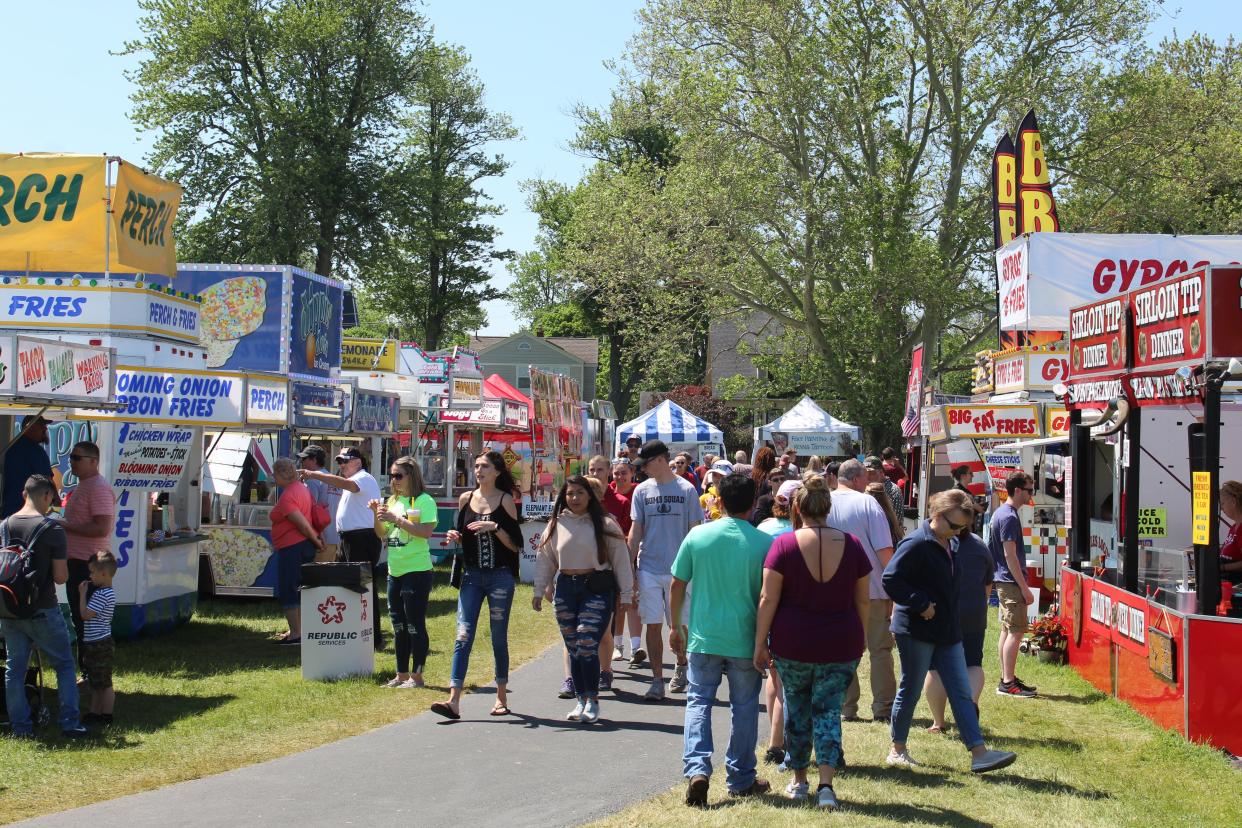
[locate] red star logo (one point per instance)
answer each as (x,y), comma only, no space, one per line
(332,611)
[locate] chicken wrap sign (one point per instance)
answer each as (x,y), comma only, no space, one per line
(151,458)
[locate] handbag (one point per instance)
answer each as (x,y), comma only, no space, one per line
(601,581)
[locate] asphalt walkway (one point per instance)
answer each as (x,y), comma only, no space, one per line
(531,768)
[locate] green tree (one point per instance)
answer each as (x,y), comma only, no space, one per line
(432,265)
(832,164)
(278,117)
(1153,147)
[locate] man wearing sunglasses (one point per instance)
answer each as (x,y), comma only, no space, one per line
(1008,549)
(89,516)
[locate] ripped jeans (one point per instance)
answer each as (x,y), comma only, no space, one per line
(497,586)
(583,616)
(407,606)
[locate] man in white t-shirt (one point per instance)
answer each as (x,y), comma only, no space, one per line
(664,508)
(860,514)
(314,458)
(355,518)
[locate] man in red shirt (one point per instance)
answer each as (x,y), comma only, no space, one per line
(893,469)
(89,518)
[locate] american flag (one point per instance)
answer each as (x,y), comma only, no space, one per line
(914,394)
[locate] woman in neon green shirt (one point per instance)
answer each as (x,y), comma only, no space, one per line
(406,520)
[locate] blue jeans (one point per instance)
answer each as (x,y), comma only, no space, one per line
(497,586)
(408,595)
(744,683)
(917,657)
(47,631)
(582,616)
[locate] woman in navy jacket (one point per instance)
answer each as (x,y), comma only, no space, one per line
(922,580)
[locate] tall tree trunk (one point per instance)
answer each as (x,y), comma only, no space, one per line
(618,392)
(433,325)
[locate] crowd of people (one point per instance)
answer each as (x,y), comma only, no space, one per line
(777,581)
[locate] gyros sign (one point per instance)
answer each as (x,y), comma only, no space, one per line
(1041,276)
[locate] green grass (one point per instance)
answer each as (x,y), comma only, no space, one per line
(1083,760)
(217,694)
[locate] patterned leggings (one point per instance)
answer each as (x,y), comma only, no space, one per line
(813,694)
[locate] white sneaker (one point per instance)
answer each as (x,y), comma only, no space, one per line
(826,798)
(656,691)
(617,655)
(679,682)
(797,790)
(575,715)
(901,760)
(590,713)
(992,760)
(411,684)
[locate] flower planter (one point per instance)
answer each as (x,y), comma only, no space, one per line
(1051,656)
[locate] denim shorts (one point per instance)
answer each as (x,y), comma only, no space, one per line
(289,562)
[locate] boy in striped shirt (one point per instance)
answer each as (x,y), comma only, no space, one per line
(97,604)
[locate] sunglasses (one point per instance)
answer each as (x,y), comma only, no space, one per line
(397,476)
(79,457)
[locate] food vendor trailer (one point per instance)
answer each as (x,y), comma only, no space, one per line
(280,327)
(1155,370)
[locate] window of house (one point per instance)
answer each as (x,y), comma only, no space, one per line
(523,383)
(523,346)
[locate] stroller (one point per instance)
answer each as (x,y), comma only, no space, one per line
(40,712)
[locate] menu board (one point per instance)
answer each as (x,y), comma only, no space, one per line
(1099,337)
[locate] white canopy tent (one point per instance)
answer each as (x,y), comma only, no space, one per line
(810,430)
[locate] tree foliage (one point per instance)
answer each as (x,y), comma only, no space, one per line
(330,134)
(833,156)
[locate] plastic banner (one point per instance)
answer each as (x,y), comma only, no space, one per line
(144,209)
(1044,275)
(52,212)
(1036,209)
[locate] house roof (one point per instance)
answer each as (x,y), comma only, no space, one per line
(585,348)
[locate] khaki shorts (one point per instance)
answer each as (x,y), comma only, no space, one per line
(1013,608)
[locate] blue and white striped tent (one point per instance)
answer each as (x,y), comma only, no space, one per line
(671,423)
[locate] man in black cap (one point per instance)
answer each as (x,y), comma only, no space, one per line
(664,508)
(25,456)
(632,444)
(355,515)
(314,458)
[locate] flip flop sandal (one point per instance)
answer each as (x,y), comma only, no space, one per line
(443,709)
(501,710)
(934,729)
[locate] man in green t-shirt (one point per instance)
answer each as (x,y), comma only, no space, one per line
(724,561)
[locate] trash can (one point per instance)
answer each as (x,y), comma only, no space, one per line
(336,621)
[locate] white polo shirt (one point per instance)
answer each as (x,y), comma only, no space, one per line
(353,512)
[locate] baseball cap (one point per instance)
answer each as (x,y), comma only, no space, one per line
(788,488)
(34,419)
(633,438)
(874,462)
(314,451)
(723,466)
(351,453)
(651,450)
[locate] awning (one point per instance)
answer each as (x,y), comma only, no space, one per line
(671,423)
(1025,444)
(807,416)
(222,469)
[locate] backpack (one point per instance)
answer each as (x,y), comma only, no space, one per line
(19,593)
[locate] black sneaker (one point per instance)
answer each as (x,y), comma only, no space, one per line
(757,788)
(1012,688)
(1023,684)
(696,792)
(78,732)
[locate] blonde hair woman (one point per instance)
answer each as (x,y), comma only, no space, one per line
(406,520)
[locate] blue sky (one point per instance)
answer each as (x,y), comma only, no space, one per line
(537,59)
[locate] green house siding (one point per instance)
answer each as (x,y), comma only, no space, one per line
(510,359)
